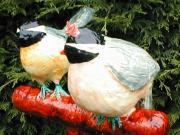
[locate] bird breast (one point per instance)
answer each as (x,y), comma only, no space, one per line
(95,89)
(43,59)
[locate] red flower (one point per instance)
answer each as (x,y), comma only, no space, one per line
(71,29)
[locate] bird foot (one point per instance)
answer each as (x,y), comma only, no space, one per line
(43,91)
(59,91)
(99,119)
(112,120)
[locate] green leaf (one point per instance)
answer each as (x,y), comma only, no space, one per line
(4,106)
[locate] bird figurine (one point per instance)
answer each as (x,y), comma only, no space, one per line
(40,48)
(108,76)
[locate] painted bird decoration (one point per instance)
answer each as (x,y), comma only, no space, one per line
(108,76)
(40,48)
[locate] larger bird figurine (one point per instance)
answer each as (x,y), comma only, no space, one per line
(108,76)
(40,48)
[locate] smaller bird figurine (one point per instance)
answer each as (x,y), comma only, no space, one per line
(39,54)
(108,76)
(40,48)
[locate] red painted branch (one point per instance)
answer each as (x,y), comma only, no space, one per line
(141,121)
(76,131)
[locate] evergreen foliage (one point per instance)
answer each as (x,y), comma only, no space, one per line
(152,24)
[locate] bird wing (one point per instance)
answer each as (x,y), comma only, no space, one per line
(55,32)
(47,30)
(132,65)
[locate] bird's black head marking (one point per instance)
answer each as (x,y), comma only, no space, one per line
(85,37)
(76,55)
(27,37)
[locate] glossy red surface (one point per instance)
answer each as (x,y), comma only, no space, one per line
(75,131)
(140,122)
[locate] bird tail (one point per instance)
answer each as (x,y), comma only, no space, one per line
(147,103)
(148,97)
(82,17)
(145,93)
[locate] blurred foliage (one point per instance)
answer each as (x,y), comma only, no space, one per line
(152,24)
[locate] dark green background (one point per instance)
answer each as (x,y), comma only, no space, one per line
(152,24)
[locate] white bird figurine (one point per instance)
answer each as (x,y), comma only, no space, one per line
(108,76)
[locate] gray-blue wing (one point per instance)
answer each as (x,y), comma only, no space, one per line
(56,32)
(132,65)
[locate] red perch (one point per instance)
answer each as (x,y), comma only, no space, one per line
(140,122)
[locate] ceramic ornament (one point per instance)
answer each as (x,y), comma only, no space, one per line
(40,48)
(108,76)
